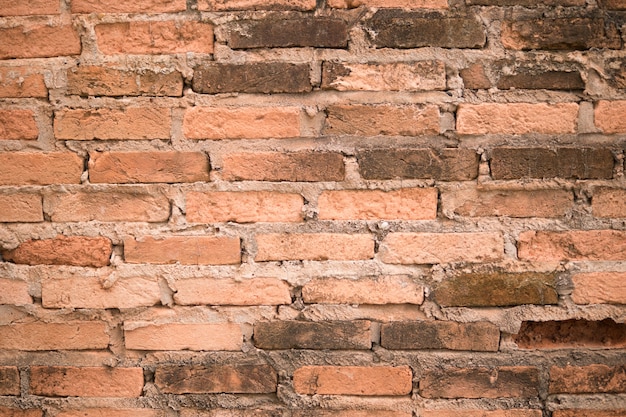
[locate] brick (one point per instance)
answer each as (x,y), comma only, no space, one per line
(616,72)
(277,31)
(22,168)
(568,163)
(443,165)
(38,41)
(155,37)
(224,5)
(183,336)
(590,379)
(244,207)
(398,76)
(481,413)
(70,381)
(20,207)
(549,80)
(187,250)
(111,412)
(9,380)
(247,292)
(405,4)
(480,337)
(14,292)
(599,288)
(236,379)
(241,123)
(496,289)
(279,166)
(350,413)
(474,77)
(230,412)
(403,204)
(516,118)
(353,380)
(525,3)
(609,202)
(365,120)
(33,7)
(148,167)
(115,6)
(62,250)
(435,248)
(18,412)
(100,81)
(254,77)
(54,336)
(574,245)
(395,28)
(313,247)
(313,335)
(588,413)
(18,125)
(110,124)
(96,292)
(569,334)
(500,382)
(614,4)
(398,289)
(609,116)
(22,82)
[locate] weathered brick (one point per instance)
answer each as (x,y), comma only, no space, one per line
(588,413)
(22,82)
(22,168)
(474,77)
(14,292)
(506,381)
(279,166)
(569,334)
(481,336)
(32,7)
(435,248)
(38,41)
(614,4)
(248,292)
(599,288)
(350,413)
(148,167)
(155,37)
(254,77)
(398,76)
(224,5)
(9,380)
(241,123)
(62,250)
(21,207)
(569,163)
(188,250)
(398,289)
(616,72)
(313,246)
(395,28)
(111,124)
(111,412)
(481,413)
(312,335)
(18,125)
(525,3)
(244,379)
(574,245)
(365,120)
(588,379)
(549,80)
(405,4)
(232,412)
(609,202)
(64,381)
(182,336)
(54,336)
(403,204)
(141,6)
(353,380)
(19,412)
(102,81)
(609,116)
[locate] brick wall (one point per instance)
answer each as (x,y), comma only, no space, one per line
(293,208)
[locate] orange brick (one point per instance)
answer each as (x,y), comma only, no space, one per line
(516,118)
(32,7)
(434,248)
(158,37)
(99,81)
(481,413)
(14,292)
(111,412)
(404,204)
(21,168)
(9,381)
(54,336)
(64,381)
(38,41)
(18,125)
(353,380)
(599,288)
(22,82)
(609,116)
(574,245)
(241,123)
(110,124)
(314,247)
(399,76)
(188,250)
(141,6)
(398,289)
(590,379)
(245,292)
(148,167)
(405,4)
(183,336)
(18,412)
(21,207)
(223,5)
(62,250)
(609,202)
(365,120)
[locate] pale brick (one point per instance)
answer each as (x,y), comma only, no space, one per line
(405,4)
(366,120)
(314,247)
(188,250)
(64,381)
(183,336)
(21,168)
(573,245)
(62,250)
(111,412)
(54,336)
(481,413)
(14,292)
(18,125)
(398,289)
(135,6)
(353,380)
(38,41)
(28,8)
(99,81)
(224,5)
(609,116)
(609,202)
(22,82)
(21,207)
(599,288)
(241,292)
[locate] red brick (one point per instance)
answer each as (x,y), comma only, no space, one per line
(244,379)
(574,245)
(353,380)
(157,37)
(38,41)
(21,168)
(365,120)
(14,292)
(314,247)
(246,292)
(609,202)
(183,336)
(481,336)
(21,207)
(188,250)
(9,381)
(344,335)
(62,250)
(599,288)
(107,124)
(481,413)
(54,336)
(111,412)
(141,6)
(32,7)
(99,81)
(224,5)
(70,381)
(148,167)
(18,412)
(571,334)
(609,116)
(22,82)
(588,413)
(18,125)
(590,379)
(398,289)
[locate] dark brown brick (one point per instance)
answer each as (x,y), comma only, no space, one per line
(445,164)
(243,379)
(613,4)
(550,80)
(589,379)
(9,380)
(258,77)
(395,28)
(570,163)
(496,289)
(279,32)
(450,335)
(312,335)
(571,334)
(525,3)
